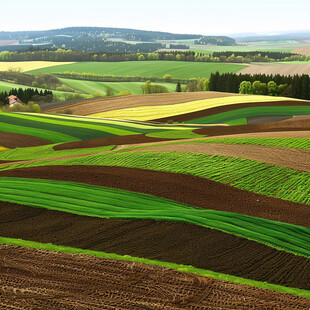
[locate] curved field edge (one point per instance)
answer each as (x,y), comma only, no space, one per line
(245,174)
(177,267)
(145,113)
(104,202)
(296,143)
(232,115)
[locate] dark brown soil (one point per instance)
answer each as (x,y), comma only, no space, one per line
(13,140)
(175,242)
(287,125)
(37,279)
(221,109)
(186,189)
(117,140)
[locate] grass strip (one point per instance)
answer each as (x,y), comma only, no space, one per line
(177,267)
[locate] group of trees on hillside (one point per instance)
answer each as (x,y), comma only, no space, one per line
(297,86)
(149,88)
(26,95)
(216,40)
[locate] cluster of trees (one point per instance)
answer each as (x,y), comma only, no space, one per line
(258,56)
(216,40)
(42,80)
(297,86)
(149,88)
(117,78)
(179,46)
(26,95)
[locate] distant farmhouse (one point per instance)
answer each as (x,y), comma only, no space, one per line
(13,100)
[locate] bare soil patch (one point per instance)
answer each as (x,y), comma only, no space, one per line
(32,278)
(99,105)
(226,108)
(302,50)
(183,188)
(13,140)
(296,159)
(168,241)
(282,69)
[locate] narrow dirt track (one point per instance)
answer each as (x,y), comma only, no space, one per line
(174,242)
(13,140)
(40,279)
(183,188)
(226,108)
(296,159)
(122,102)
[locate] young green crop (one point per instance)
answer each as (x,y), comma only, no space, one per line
(90,200)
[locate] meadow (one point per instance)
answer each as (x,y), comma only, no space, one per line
(177,69)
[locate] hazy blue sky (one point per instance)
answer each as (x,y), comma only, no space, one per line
(190,16)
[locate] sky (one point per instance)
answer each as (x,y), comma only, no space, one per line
(183,16)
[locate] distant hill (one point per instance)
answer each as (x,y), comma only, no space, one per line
(290,35)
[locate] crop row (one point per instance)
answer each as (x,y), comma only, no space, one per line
(90,200)
(229,116)
(257,177)
(154,112)
(178,267)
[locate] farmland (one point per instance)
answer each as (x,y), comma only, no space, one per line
(206,193)
(29,65)
(181,70)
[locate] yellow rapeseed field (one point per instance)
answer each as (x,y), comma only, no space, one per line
(146,113)
(2,148)
(29,65)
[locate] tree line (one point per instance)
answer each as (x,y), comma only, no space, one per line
(26,95)
(297,86)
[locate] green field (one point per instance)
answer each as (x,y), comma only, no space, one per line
(90,87)
(62,128)
(233,115)
(103,202)
(177,69)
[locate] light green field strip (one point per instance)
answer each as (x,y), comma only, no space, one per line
(47,151)
(52,136)
(101,121)
(178,69)
(145,113)
(107,129)
(177,267)
(184,134)
(229,116)
(103,202)
(244,174)
(91,87)
(30,65)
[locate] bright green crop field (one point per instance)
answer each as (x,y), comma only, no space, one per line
(232,115)
(97,201)
(178,69)
(90,87)
(250,175)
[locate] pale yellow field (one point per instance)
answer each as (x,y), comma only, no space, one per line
(146,113)
(29,65)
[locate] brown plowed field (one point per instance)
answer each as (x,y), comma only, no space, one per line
(183,188)
(302,51)
(282,69)
(287,125)
(37,279)
(13,140)
(175,242)
(99,105)
(296,159)
(221,109)
(116,140)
